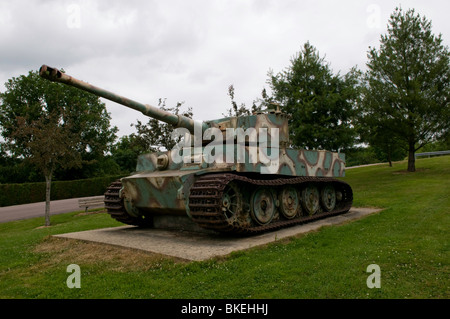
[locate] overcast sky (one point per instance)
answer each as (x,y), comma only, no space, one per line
(191,50)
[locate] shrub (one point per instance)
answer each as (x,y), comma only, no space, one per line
(16,194)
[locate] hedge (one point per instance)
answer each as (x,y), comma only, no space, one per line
(16,194)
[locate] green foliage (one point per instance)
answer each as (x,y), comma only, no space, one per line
(320,103)
(150,137)
(242,110)
(360,156)
(77,116)
(126,151)
(442,145)
(47,143)
(53,126)
(156,135)
(372,154)
(16,194)
(406,100)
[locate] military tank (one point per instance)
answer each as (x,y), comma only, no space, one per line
(235,175)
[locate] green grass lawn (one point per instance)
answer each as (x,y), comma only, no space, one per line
(409,240)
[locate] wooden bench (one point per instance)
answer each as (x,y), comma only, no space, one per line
(98,201)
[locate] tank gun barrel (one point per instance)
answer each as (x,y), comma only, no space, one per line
(56,75)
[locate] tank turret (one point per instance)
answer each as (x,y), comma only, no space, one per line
(234,174)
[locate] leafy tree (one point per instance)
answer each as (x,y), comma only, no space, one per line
(408,84)
(52,126)
(31,98)
(157,135)
(360,156)
(320,103)
(48,143)
(242,110)
(126,151)
(235,110)
(441,145)
(374,130)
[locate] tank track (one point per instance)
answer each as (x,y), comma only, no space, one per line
(205,201)
(115,207)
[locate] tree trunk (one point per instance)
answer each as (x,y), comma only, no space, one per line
(411,158)
(389,157)
(48,182)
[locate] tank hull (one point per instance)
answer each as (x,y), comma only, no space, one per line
(193,196)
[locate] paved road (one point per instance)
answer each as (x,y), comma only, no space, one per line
(364,165)
(17,212)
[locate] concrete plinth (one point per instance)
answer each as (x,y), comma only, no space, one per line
(201,246)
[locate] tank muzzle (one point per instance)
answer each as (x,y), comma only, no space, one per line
(49,73)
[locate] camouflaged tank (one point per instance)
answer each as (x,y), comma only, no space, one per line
(233,175)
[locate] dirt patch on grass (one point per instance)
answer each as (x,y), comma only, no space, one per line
(71,251)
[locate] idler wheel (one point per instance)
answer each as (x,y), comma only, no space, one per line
(310,199)
(262,206)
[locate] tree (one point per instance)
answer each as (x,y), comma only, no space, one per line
(320,103)
(49,143)
(126,151)
(52,126)
(156,135)
(242,110)
(387,147)
(373,130)
(31,97)
(236,110)
(408,84)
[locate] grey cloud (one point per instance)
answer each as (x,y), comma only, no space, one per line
(189,50)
